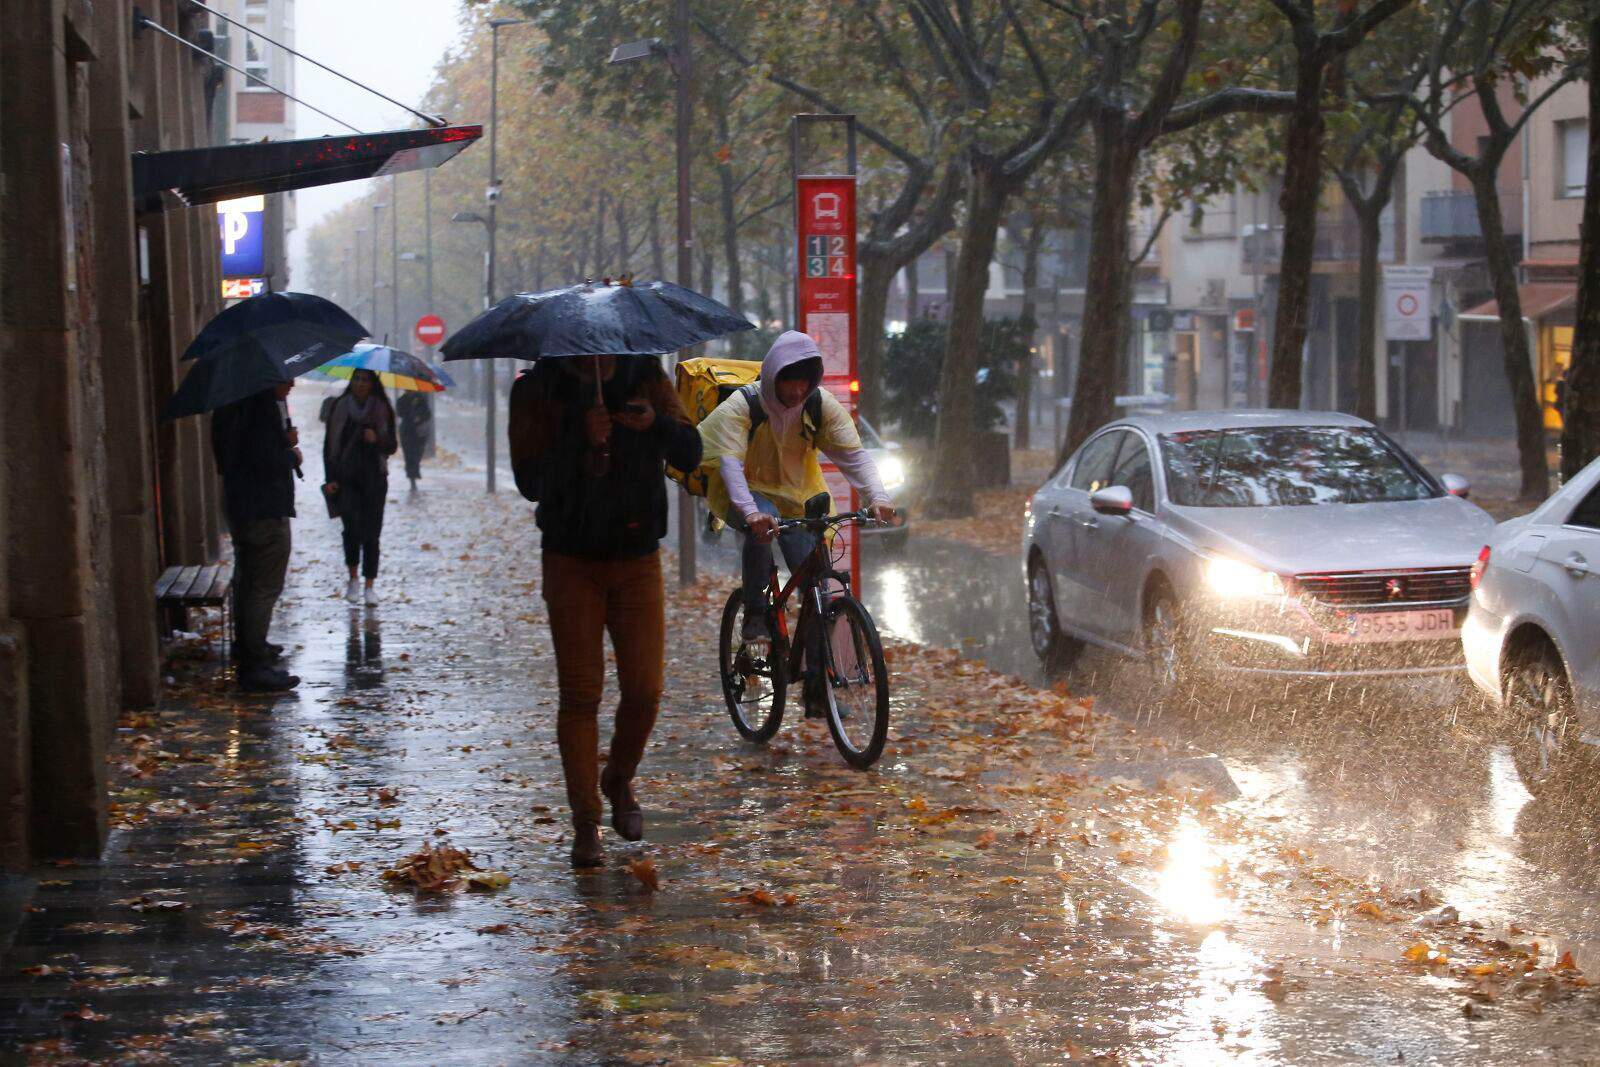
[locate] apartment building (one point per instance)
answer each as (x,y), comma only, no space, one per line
(253,107)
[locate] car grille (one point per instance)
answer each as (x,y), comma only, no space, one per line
(1431,585)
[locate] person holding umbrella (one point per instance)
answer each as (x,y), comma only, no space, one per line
(355,459)
(416,424)
(590,429)
(258,453)
(244,364)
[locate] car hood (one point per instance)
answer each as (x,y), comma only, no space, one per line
(1441,532)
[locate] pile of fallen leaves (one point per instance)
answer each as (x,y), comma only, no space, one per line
(443,868)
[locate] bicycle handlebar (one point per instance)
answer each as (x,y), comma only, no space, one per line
(863,516)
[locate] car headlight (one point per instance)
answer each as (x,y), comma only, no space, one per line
(1235,578)
(893,472)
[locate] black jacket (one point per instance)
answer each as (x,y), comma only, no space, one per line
(251,446)
(352,460)
(621,513)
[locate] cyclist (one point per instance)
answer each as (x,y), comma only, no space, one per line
(765,439)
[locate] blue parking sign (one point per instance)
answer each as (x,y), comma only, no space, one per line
(242,225)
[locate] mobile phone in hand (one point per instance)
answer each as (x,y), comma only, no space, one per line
(634,408)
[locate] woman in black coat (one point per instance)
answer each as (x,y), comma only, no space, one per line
(355,457)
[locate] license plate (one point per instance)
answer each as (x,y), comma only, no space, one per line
(1432,624)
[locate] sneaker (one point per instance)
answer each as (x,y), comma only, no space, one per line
(352,592)
(754,628)
(372,597)
(262,679)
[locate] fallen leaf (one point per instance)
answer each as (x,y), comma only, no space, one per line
(85,1014)
(644,869)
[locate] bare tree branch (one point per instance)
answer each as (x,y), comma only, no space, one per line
(1231,101)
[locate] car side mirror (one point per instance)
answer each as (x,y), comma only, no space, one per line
(1456,485)
(1112,500)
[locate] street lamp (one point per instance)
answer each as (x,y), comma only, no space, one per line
(376,207)
(492,195)
(681,59)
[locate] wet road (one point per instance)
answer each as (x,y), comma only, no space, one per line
(977,898)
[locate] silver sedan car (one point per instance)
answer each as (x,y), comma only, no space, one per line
(1534,625)
(1252,543)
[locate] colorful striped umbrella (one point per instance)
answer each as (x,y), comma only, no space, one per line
(394,368)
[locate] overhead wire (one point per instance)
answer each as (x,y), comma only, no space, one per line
(432,120)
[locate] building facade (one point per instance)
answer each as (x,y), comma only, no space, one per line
(98,297)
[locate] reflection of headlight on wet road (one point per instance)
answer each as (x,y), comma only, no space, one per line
(893,472)
(1234,578)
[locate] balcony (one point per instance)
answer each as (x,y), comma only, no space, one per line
(1338,241)
(1452,215)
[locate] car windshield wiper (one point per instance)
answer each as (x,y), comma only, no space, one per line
(1216,465)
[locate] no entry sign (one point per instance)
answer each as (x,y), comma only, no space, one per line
(1407,307)
(430,330)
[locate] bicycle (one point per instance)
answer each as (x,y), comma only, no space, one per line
(856,680)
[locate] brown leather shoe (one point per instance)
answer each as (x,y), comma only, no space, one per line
(627,818)
(586,850)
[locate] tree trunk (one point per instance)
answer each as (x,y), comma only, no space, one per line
(1302,184)
(708,274)
(1369,213)
(950,489)
(876,273)
(786,286)
(912,295)
(1513,338)
(624,240)
(734,297)
(1105,293)
(600,265)
(1580,433)
(658,252)
(1030,282)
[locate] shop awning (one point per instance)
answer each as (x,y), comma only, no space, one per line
(207,175)
(1538,300)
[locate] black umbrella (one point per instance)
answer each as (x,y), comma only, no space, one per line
(595,319)
(238,371)
(281,324)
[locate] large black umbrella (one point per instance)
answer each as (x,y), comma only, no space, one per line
(240,371)
(259,343)
(282,324)
(595,319)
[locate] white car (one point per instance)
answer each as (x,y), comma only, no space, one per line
(1533,627)
(1251,544)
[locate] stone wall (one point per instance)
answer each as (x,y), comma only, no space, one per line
(88,349)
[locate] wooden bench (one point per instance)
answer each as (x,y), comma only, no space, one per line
(180,589)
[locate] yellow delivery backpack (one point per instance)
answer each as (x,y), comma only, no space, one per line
(702,385)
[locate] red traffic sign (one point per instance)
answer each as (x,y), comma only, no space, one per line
(430,330)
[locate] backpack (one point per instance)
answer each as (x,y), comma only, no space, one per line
(705,384)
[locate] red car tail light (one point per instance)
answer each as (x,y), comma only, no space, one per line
(1479,565)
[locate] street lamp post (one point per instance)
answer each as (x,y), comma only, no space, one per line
(681,59)
(376,207)
(394,261)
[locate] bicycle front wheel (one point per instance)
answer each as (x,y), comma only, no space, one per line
(858,683)
(753,680)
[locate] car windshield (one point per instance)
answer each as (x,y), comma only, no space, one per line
(1273,466)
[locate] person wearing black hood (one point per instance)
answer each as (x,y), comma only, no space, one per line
(591,455)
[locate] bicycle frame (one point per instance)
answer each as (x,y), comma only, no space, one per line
(818,569)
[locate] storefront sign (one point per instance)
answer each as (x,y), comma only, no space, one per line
(1407,303)
(242,288)
(243,228)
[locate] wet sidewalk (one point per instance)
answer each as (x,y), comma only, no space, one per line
(1022,878)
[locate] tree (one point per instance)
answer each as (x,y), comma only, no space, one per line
(1370,139)
(1315,51)
(1580,431)
(1485,51)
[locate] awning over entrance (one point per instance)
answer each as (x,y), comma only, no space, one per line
(1538,300)
(207,175)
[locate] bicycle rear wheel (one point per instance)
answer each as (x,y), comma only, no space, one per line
(858,683)
(753,683)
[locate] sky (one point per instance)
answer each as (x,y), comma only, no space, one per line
(392,45)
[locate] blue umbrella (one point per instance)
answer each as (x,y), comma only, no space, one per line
(595,319)
(395,369)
